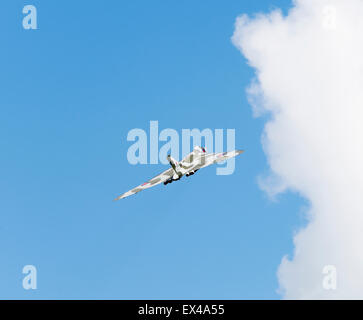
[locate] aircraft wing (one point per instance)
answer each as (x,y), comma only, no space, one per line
(212,158)
(151,183)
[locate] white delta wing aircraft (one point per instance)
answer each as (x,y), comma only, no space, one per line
(194,161)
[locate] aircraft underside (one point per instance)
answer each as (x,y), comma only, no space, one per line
(176,177)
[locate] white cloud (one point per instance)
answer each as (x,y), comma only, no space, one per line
(309,70)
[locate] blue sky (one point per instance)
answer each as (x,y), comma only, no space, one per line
(71,91)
